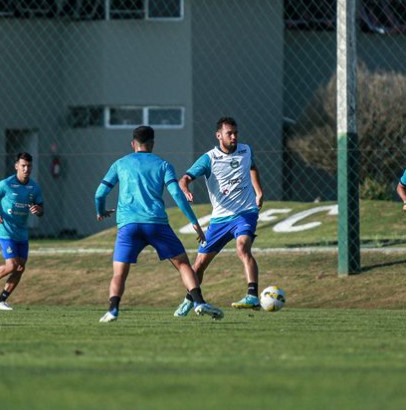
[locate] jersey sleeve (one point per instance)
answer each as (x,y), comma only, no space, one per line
(105,187)
(181,201)
(39,200)
(202,166)
(173,188)
(403,178)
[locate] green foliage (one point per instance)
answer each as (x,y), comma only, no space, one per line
(381,125)
(375,190)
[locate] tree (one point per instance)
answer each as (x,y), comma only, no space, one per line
(381,122)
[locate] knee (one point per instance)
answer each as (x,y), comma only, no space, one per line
(17,268)
(243,251)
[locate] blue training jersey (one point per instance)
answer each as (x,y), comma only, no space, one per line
(403,178)
(228,181)
(142,177)
(15,201)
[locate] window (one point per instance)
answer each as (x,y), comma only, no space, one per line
(310,14)
(123,117)
(126,116)
(86,116)
(165,9)
(375,16)
(93,9)
(6,8)
(127,9)
(383,16)
(165,117)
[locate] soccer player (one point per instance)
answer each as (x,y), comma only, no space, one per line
(142,219)
(401,189)
(19,196)
(235,192)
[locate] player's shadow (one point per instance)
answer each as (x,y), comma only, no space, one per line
(381,265)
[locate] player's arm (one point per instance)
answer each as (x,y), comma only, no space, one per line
(37,205)
(256,183)
(105,187)
(184,186)
(401,190)
(201,167)
(184,206)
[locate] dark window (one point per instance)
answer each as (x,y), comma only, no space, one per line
(165,8)
(310,14)
(82,117)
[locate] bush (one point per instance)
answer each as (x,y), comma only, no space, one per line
(381,124)
(372,189)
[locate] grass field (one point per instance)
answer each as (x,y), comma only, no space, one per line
(339,343)
(61,358)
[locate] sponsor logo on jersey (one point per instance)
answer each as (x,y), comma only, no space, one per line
(243,151)
(235,181)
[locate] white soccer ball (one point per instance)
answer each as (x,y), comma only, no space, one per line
(272,299)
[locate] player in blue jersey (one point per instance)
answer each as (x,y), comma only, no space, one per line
(142,219)
(401,189)
(235,192)
(20,196)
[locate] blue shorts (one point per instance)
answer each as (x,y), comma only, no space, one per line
(219,234)
(12,249)
(133,238)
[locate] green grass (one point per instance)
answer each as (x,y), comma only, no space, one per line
(62,358)
(339,343)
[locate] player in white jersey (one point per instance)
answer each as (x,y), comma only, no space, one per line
(235,192)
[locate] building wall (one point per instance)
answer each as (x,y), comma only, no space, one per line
(228,80)
(126,73)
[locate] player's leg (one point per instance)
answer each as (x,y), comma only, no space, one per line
(168,246)
(15,255)
(217,236)
(245,234)
(126,250)
(201,263)
(191,282)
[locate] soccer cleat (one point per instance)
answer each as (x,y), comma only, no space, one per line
(184,308)
(206,309)
(247,302)
(5,306)
(108,317)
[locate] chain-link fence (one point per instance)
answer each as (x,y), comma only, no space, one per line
(77,76)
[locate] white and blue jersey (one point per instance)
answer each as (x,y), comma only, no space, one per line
(228,181)
(142,177)
(15,201)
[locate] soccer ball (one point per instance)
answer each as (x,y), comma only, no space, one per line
(272,299)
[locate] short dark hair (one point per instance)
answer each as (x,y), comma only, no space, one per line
(25,156)
(225,120)
(143,134)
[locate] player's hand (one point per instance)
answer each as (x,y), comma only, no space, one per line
(188,195)
(404,208)
(106,214)
(259,200)
(1,220)
(201,236)
(36,209)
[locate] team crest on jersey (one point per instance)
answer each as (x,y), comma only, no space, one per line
(234,164)
(9,250)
